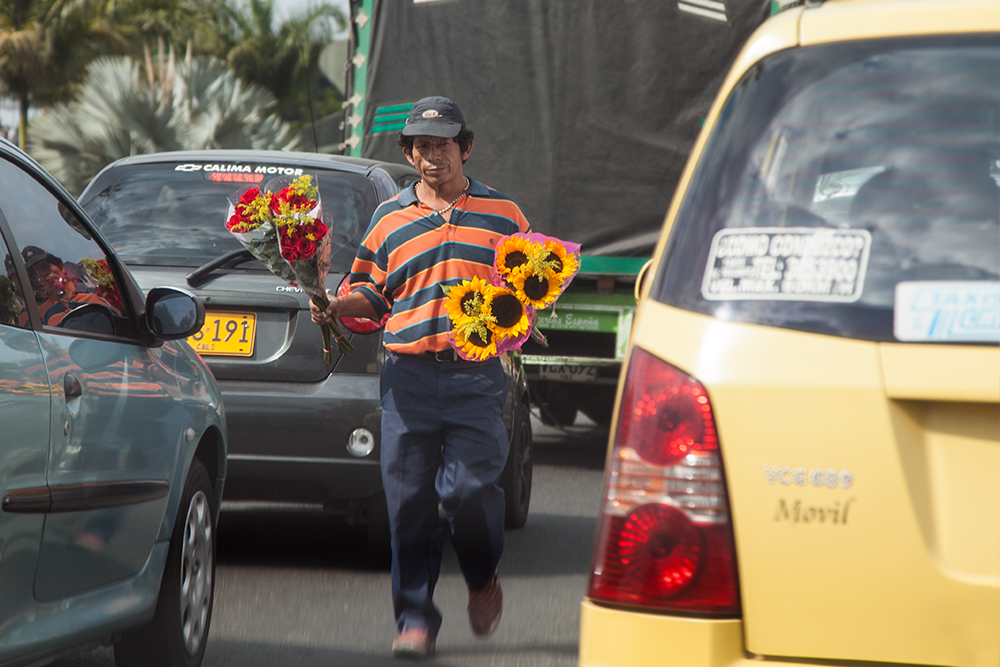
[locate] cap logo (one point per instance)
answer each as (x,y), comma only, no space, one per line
(431,113)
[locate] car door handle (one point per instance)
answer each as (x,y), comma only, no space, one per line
(72,387)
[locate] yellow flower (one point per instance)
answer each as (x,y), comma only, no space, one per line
(510,319)
(562,263)
(467,299)
(475,338)
(511,254)
(536,290)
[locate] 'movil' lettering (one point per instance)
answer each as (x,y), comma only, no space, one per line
(796,512)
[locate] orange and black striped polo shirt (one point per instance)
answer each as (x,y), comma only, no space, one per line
(410,253)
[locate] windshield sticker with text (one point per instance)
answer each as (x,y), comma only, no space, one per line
(270,170)
(947,311)
(787,264)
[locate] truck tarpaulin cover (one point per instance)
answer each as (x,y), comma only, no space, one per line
(584,110)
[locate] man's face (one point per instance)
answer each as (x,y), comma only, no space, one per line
(52,278)
(437,160)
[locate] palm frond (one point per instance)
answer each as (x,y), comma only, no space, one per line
(192,103)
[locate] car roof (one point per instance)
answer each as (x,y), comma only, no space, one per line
(298,158)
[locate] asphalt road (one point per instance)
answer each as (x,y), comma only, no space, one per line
(293,585)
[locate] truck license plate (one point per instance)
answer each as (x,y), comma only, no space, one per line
(226,335)
(568,373)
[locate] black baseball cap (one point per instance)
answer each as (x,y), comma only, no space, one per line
(435,117)
(33,255)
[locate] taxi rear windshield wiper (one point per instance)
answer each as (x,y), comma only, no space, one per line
(232,258)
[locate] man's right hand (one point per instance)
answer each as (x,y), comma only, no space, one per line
(320,316)
(351,305)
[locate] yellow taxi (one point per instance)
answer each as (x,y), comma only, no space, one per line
(805,462)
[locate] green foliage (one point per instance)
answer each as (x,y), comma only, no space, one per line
(201,23)
(45,46)
(125,108)
(9,306)
(284,59)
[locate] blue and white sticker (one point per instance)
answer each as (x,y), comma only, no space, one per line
(787,264)
(957,311)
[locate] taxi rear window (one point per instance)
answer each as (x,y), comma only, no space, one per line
(851,189)
(174,214)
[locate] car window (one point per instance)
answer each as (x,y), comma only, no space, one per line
(70,279)
(174,214)
(838,175)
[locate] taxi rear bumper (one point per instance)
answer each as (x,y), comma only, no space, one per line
(621,638)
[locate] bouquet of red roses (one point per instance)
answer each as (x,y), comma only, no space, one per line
(99,273)
(282,227)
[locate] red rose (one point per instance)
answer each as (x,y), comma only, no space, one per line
(306,248)
(234,221)
(294,201)
(320,230)
(290,253)
(250,195)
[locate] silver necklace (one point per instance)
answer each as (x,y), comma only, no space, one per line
(442,211)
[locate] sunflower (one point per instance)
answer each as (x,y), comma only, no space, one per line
(563,263)
(512,253)
(538,290)
(510,319)
(467,299)
(475,338)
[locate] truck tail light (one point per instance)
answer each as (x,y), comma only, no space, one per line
(358,325)
(665,537)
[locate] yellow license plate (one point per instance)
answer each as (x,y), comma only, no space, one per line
(226,335)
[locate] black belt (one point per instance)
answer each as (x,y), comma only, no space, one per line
(441,355)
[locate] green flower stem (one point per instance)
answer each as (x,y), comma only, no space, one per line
(331,332)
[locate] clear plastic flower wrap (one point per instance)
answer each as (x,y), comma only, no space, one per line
(282,226)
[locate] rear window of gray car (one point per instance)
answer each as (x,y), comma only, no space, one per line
(851,189)
(175,214)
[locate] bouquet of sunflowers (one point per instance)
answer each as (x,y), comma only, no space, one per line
(529,271)
(282,227)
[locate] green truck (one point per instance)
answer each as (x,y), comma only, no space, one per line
(584,111)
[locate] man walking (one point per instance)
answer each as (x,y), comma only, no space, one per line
(443,438)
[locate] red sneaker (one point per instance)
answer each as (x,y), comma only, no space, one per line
(413,644)
(485,606)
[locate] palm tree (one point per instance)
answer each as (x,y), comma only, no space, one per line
(283,59)
(126,107)
(201,23)
(45,46)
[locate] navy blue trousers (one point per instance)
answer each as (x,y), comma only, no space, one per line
(443,440)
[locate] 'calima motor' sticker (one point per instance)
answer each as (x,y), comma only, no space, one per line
(787,264)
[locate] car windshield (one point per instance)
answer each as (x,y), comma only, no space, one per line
(838,174)
(174,214)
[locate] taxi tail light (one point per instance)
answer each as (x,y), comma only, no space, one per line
(665,536)
(358,325)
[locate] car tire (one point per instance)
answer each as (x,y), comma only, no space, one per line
(515,480)
(379,540)
(178,633)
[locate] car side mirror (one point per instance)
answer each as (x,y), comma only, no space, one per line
(172,313)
